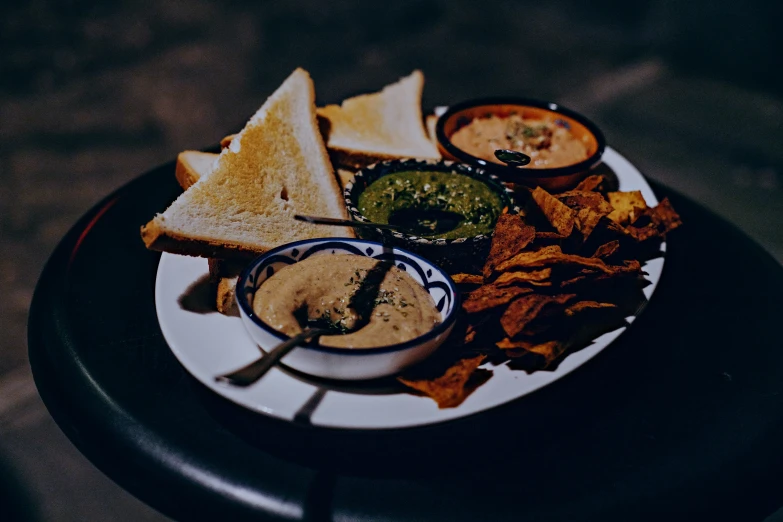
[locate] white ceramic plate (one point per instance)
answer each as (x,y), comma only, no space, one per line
(208,344)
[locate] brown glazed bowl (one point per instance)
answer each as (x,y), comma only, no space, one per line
(552,179)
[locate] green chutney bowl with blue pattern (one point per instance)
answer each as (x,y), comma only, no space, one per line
(448,209)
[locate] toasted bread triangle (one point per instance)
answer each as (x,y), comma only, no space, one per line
(379,126)
(193,165)
(276,166)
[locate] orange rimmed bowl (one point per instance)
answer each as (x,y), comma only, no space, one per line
(553,179)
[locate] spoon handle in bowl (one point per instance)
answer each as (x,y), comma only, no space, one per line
(317,220)
(252,372)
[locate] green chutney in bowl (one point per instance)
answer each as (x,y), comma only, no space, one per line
(448,209)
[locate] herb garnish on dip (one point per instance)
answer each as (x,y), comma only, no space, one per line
(477,204)
(324,288)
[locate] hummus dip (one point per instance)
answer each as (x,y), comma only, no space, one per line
(326,288)
(548,143)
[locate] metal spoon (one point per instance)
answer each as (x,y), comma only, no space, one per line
(512,158)
(409,221)
(250,373)
(316,220)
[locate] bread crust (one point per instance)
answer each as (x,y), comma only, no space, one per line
(355,160)
(158,238)
(226,292)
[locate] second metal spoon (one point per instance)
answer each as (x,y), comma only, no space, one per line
(252,372)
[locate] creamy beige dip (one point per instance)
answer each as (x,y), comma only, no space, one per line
(548,144)
(321,287)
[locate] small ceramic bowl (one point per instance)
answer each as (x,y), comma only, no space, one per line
(552,179)
(349,363)
(453,255)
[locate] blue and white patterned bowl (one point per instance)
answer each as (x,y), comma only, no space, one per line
(347,363)
(464,254)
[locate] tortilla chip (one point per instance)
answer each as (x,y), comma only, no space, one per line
(533,277)
(577,200)
(549,256)
(654,222)
(539,326)
(448,390)
(586,221)
(511,236)
(526,308)
(549,235)
(585,305)
(643,233)
(548,350)
(665,215)
(628,266)
(605,231)
(590,184)
(607,250)
(470,334)
(491,296)
(629,270)
(557,214)
(467,279)
(626,206)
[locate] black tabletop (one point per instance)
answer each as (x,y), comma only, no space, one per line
(680,418)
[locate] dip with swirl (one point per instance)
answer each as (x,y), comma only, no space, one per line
(347,291)
(549,143)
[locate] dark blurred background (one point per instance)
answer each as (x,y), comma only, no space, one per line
(94,94)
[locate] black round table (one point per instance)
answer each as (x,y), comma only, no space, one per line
(680,418)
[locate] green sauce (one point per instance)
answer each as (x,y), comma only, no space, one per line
(477,203)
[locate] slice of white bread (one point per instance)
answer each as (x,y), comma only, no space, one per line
(275,167)
(379,126)
(192,165)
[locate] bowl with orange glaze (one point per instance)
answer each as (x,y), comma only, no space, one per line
(563,145)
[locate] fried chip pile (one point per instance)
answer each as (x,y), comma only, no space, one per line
(566,270)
